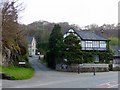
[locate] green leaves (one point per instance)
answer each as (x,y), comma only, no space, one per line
(72,40)
(12,39)
(55,47)
(72,49)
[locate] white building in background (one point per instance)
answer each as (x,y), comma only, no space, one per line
(31,46)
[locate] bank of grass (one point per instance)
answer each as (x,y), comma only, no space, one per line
(19,73)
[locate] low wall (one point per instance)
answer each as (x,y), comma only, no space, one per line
(84,68)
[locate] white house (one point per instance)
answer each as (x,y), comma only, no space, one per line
(89,40)
(31,46)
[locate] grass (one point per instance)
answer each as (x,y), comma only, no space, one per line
(114,41)
(19,73)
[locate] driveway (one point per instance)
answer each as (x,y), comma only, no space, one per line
(47,78)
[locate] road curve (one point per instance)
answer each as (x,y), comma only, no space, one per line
(47,78)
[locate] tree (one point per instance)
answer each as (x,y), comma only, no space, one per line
(72,50)
(12,40)
(106,56)
(54,55)
(9,20)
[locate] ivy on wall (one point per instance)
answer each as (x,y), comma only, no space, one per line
(77,55)
(104,56)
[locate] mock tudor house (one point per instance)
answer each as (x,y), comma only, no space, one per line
(89,41)
(31,46)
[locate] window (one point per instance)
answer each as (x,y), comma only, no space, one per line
(88,43)
(102,44)
(95,43)
(83,43)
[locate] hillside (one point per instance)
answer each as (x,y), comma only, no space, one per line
(42,29)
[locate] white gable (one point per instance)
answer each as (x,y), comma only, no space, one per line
(70,30)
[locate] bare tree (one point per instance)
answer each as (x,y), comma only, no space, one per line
(12,41)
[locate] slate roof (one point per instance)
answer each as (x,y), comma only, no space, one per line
(30,39)
(116,50)
(88,35)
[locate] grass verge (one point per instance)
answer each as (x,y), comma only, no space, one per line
(19,73)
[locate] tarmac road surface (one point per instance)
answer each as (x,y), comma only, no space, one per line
(47,78)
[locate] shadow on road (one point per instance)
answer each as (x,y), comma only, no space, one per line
(34,61)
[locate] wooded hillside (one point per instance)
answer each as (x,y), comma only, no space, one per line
(42,29)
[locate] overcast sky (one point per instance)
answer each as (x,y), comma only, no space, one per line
(80,12)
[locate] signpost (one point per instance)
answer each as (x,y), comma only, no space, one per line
(22,63)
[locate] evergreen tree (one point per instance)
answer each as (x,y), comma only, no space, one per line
(72,51)
(54,55)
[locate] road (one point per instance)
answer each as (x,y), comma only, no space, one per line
(47,78)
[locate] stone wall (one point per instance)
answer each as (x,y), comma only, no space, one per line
(76,68)
(6,57)
(116,67)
